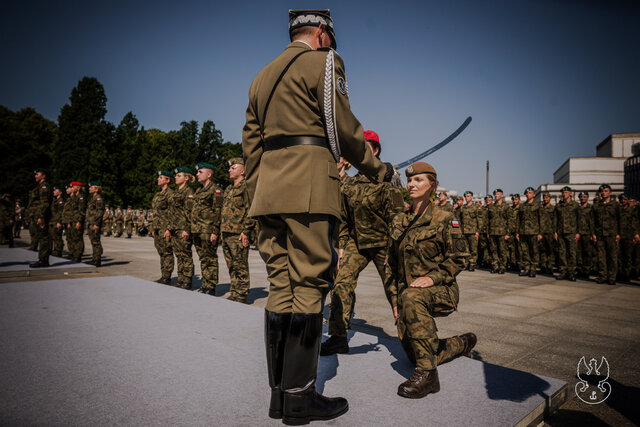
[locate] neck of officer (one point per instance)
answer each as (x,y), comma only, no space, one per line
(310,41)
(238,180)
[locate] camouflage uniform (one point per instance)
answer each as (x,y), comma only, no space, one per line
(118,218)
(78,212)
(585,250)
(567,228)
(368,209)
(470,223)
(484,256)
(160,204)
(94,215)
(205,221)
(180,205)
(528,231)
(66,221)
(628,231)
(498,215)
(7,215)
(128,222)
(547,228)
(515,256)
(606,222)
(431,247)
(57,208)
(30,223)
(235,206)
(18,220)
(40,207)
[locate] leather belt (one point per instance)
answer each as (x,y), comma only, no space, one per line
(290,141)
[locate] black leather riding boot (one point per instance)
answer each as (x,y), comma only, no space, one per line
(276,328)
(302,403)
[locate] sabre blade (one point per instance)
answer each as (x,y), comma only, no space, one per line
(435,147)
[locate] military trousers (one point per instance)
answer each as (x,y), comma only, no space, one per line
(343,295)
(607,257)
(44,242)
(515,257)
(119,229)
(237,258)
(626,256)
(499,251)
(547,252)
(33,234)
(76,246)
(529,249)
(585,255)
(567,253)
(417,329)
(96,245)
(184,257)
(166,254)
(6,234)
(17,227)
(56,239)
(300,253)
(129,229)
(472,242)
(208,254)
(484,258)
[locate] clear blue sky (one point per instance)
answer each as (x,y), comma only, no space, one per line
(543,80)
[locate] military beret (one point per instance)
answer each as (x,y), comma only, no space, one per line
(623,196)
(58,187)
(95,184)
(603,186)
(529,189)
(183,169)
(41,170)
(498,190)
(418,168)
(204,165)
(76,184)
(468,192)
(583,193)
(312,17)
(236,161)
(566,188)
(546,193)
(371,136)
(488,196)
(515,196)
(165,173)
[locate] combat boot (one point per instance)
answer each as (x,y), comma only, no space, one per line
(470,341)
(601,280)
(39,264)
(532,273)
(241,300)
(561,276)
(301,402)
(571,277)
(333,345)
(163,281)
(420,384)
(276,328)
(523,273)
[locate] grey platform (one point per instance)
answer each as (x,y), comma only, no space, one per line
(15,262)
(125,351)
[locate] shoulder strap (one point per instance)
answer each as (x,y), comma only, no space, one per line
(404,233)
(284,71)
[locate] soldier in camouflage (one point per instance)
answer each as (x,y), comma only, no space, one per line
(18,219)
(606,225)
(635,257)
(567,234)
(367,210)
(529,233)
(515,257)
(585,250)
(118,218)
(443,202)
(205,226)
(76,228)
(107,221)
(498,214)
(628,237)
(470,221)
(160,224)
(484,255)
(7,215)
(55,225)
(426,254)
(128,221)
(236,228)
(40,209)
(547,229)
(93,217)
(180,206)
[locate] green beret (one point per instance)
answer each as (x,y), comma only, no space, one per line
(583,193)
(236,161)
(58,187)
(41,170)
(95,184)
(183,169)
(468,192)
(165,173)
(488,197)
(566,188)
(529,189)
(498,190)
(204,165)
(603,186)
(623,196)
(515,196)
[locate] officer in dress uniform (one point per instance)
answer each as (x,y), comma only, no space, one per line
(298,124)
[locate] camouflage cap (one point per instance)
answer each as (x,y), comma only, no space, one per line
(420,167)
(165,173)
(603,186)
(566,188)
(204,165)
(236,161)
(183,169)
(315,18)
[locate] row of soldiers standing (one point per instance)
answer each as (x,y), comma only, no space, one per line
(577,238)
(117,222)
(203,218)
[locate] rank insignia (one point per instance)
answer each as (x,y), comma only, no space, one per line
(342,85)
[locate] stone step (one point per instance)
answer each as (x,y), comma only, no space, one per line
(14,262)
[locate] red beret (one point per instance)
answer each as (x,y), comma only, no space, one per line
(76,183)
(371,136)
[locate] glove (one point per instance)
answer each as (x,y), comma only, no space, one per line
(392,176)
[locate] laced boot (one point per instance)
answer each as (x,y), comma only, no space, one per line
(421,383)
(470,341)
